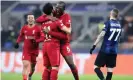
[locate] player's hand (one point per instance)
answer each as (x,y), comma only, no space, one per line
(46,30)
(53,18)
(34,42)
(16,46)
(91,50)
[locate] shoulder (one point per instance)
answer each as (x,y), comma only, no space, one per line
(66,14)
(107,23)
(37,27)
(24,27)
(67,17)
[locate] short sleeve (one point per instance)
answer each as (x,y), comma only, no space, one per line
(68,21)
(106,25)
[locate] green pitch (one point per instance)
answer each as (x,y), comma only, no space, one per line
(13,76)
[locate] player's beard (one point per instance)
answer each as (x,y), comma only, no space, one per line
(59,13)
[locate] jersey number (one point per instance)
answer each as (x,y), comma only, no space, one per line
(113,30)
(48,36)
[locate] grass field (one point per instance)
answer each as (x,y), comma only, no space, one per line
(13,76)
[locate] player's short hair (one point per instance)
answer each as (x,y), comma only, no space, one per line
(115,12)
(61,4)
(47,8)
(29,14)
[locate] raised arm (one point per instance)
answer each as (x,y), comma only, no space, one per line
(58,35)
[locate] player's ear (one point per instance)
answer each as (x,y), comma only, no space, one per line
(27,19)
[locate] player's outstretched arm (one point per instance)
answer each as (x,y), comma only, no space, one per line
(41,19)
(57,35)
(99,38)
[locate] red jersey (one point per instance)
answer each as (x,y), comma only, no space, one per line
(66,19)
(59,35)
(53,26)
(41,19)
(28,34)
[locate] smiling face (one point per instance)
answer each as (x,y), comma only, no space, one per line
(30,19)
(59,8)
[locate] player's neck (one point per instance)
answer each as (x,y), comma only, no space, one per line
(31,25)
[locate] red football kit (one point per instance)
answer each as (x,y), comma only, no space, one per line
(64,41)
(65,44)
(51,46)
(30,49)
(64,37)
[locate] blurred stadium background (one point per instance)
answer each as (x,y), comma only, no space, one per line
(87,21)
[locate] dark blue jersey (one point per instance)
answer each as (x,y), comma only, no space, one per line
(111,37)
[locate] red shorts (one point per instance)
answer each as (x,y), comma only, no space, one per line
(30,56)
(51,54)
(66,49)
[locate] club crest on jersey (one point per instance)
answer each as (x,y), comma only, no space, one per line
(33,31)
(25,31)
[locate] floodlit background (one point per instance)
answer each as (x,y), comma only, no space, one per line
(87,22)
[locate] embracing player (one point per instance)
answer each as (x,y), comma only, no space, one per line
(29,33)
(66,51)
(64,37)
(51,46)
(109,49)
